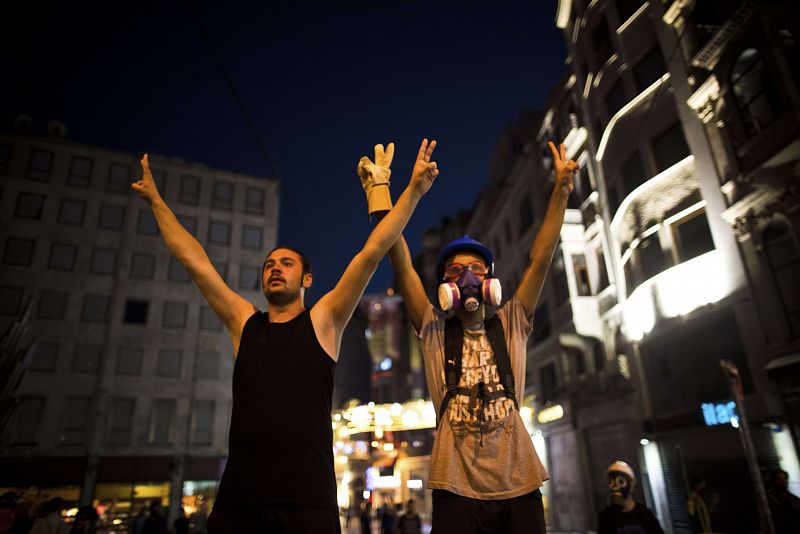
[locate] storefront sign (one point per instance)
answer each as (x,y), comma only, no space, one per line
(720,414)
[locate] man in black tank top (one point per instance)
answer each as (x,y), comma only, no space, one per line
(285,357)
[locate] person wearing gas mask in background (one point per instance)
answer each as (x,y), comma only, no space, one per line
(485,473)
(623,514)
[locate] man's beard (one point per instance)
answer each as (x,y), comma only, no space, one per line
(281,297)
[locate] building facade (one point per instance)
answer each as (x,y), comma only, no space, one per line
(679,249)
(125,394)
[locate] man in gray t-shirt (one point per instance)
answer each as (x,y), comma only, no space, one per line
(484,468)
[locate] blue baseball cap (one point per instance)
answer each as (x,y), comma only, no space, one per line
(464,244)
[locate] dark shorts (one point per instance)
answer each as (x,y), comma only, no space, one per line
(456,514)
(277,519)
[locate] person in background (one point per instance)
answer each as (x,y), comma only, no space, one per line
(85,521)
(699,511)
(51,523)
(783,505)
(623,514)
(409,522)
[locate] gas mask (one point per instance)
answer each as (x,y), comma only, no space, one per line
(620,486)
(468,291)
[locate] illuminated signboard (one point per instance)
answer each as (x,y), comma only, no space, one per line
(720,414)
(552,413)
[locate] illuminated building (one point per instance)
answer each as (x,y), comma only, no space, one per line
(382,452)
(126,395)
(397,371)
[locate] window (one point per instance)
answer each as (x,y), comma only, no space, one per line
(548,382)
(560,284)
(525,215)
(80,171)
(249,277)
(120,421)
(751,87)
(254,200)
(581,275)
(576,362)
(174,315)
(111,217)
(146,222)
(44,356)
(632,175)
(160,178)
(29,413)
(52,304)
(583,184)
(651,257)
(29,206)
(71,211)
(602,271)
(219,232)
(5,157)
(104,260)
(95,308)
(129,361)
(615,98)
(692,236)
(86,358)
(190,189)
(142,265)
(670,147)
(119,178)
(251,237)
(626,9)
(11,300)
(209,320)
(207,365)
(62,256)
(40,164)
(176,272)
(189,223)
(169,363)
(162,421)
(202,422)
(223,195)
(630,282)
(601,43)
(75,421)
(783,258)
(222,269)
(136,311)
(18,251)
(649,69)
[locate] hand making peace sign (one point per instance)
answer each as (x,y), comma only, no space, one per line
(565,169)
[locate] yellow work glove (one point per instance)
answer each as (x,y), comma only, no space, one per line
(375,178)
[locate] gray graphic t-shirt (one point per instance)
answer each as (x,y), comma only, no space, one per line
(482,449)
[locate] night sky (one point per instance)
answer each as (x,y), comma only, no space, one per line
(321,83)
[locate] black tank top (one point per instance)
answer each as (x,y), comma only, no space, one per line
(280,442)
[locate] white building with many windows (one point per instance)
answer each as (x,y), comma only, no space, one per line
(125,395)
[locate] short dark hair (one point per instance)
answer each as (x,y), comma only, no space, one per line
(303,258)
(777,472)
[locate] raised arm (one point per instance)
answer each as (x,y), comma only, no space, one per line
(408,282)
(544,244)
(331,313)
(231,308)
